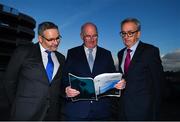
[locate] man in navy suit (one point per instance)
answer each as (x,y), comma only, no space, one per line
(77,64)
(33,95)
(140,99)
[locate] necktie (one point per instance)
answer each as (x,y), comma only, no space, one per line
(49,66)
(90,59)
(127,60)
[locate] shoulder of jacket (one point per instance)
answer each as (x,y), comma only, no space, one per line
(75,48)
(24,47)
(148,45)
(60,54)
(121,51)
(103,49)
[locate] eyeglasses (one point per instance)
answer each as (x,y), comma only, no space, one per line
(129,34)
(53,39)
(89,37)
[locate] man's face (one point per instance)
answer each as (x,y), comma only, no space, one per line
(130,34)
(50,39)
(90,36)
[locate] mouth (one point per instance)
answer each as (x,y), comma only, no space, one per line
(126,40)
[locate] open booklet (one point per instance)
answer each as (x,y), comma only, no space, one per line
(92,89)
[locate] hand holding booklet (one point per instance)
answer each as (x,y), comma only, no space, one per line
(92,89)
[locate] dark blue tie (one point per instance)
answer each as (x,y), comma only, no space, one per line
(49,66)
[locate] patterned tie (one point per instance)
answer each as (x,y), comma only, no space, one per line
(127,60)
(90,59)
(49,66)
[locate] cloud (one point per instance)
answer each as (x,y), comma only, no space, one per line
(171,61)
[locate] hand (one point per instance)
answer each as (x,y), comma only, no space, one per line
(71,92)
(121,84)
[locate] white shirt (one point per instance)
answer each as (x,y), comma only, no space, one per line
(133,49)
(45,60)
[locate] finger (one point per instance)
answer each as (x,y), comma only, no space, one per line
(73,94)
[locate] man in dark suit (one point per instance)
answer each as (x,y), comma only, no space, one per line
(140,99)
(77,64)
(33,92)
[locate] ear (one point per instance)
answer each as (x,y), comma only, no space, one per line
(139,33)
(82,36)
(40,39)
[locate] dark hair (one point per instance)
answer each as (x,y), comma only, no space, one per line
(46,25)
(88,23)
(134,20)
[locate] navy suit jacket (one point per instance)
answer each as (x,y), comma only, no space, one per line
(140,99)
(77,64)
(27,85)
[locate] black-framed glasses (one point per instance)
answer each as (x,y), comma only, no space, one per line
(129,33)
(53,39)
(89,37)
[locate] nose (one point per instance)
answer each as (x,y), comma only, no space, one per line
(56,42)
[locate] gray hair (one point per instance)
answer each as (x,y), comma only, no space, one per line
(134,20)
(44,26)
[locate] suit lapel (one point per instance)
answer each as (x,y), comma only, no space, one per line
(39,58)
(96,60)
(136,56)
(60,66)
(84,60)
(120,57)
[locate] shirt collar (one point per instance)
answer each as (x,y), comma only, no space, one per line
(42,48)
(133,48)
(86,49)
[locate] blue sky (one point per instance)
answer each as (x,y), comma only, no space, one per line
(160,20)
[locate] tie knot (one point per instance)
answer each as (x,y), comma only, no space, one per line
(90,50)
(48,52)
(129,50)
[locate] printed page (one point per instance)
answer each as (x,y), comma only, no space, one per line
(104,84)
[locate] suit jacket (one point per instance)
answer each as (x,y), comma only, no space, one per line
(77,64)
(27,85)
(140,99)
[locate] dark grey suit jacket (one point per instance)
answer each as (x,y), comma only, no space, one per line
(140,99)
(29,92)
